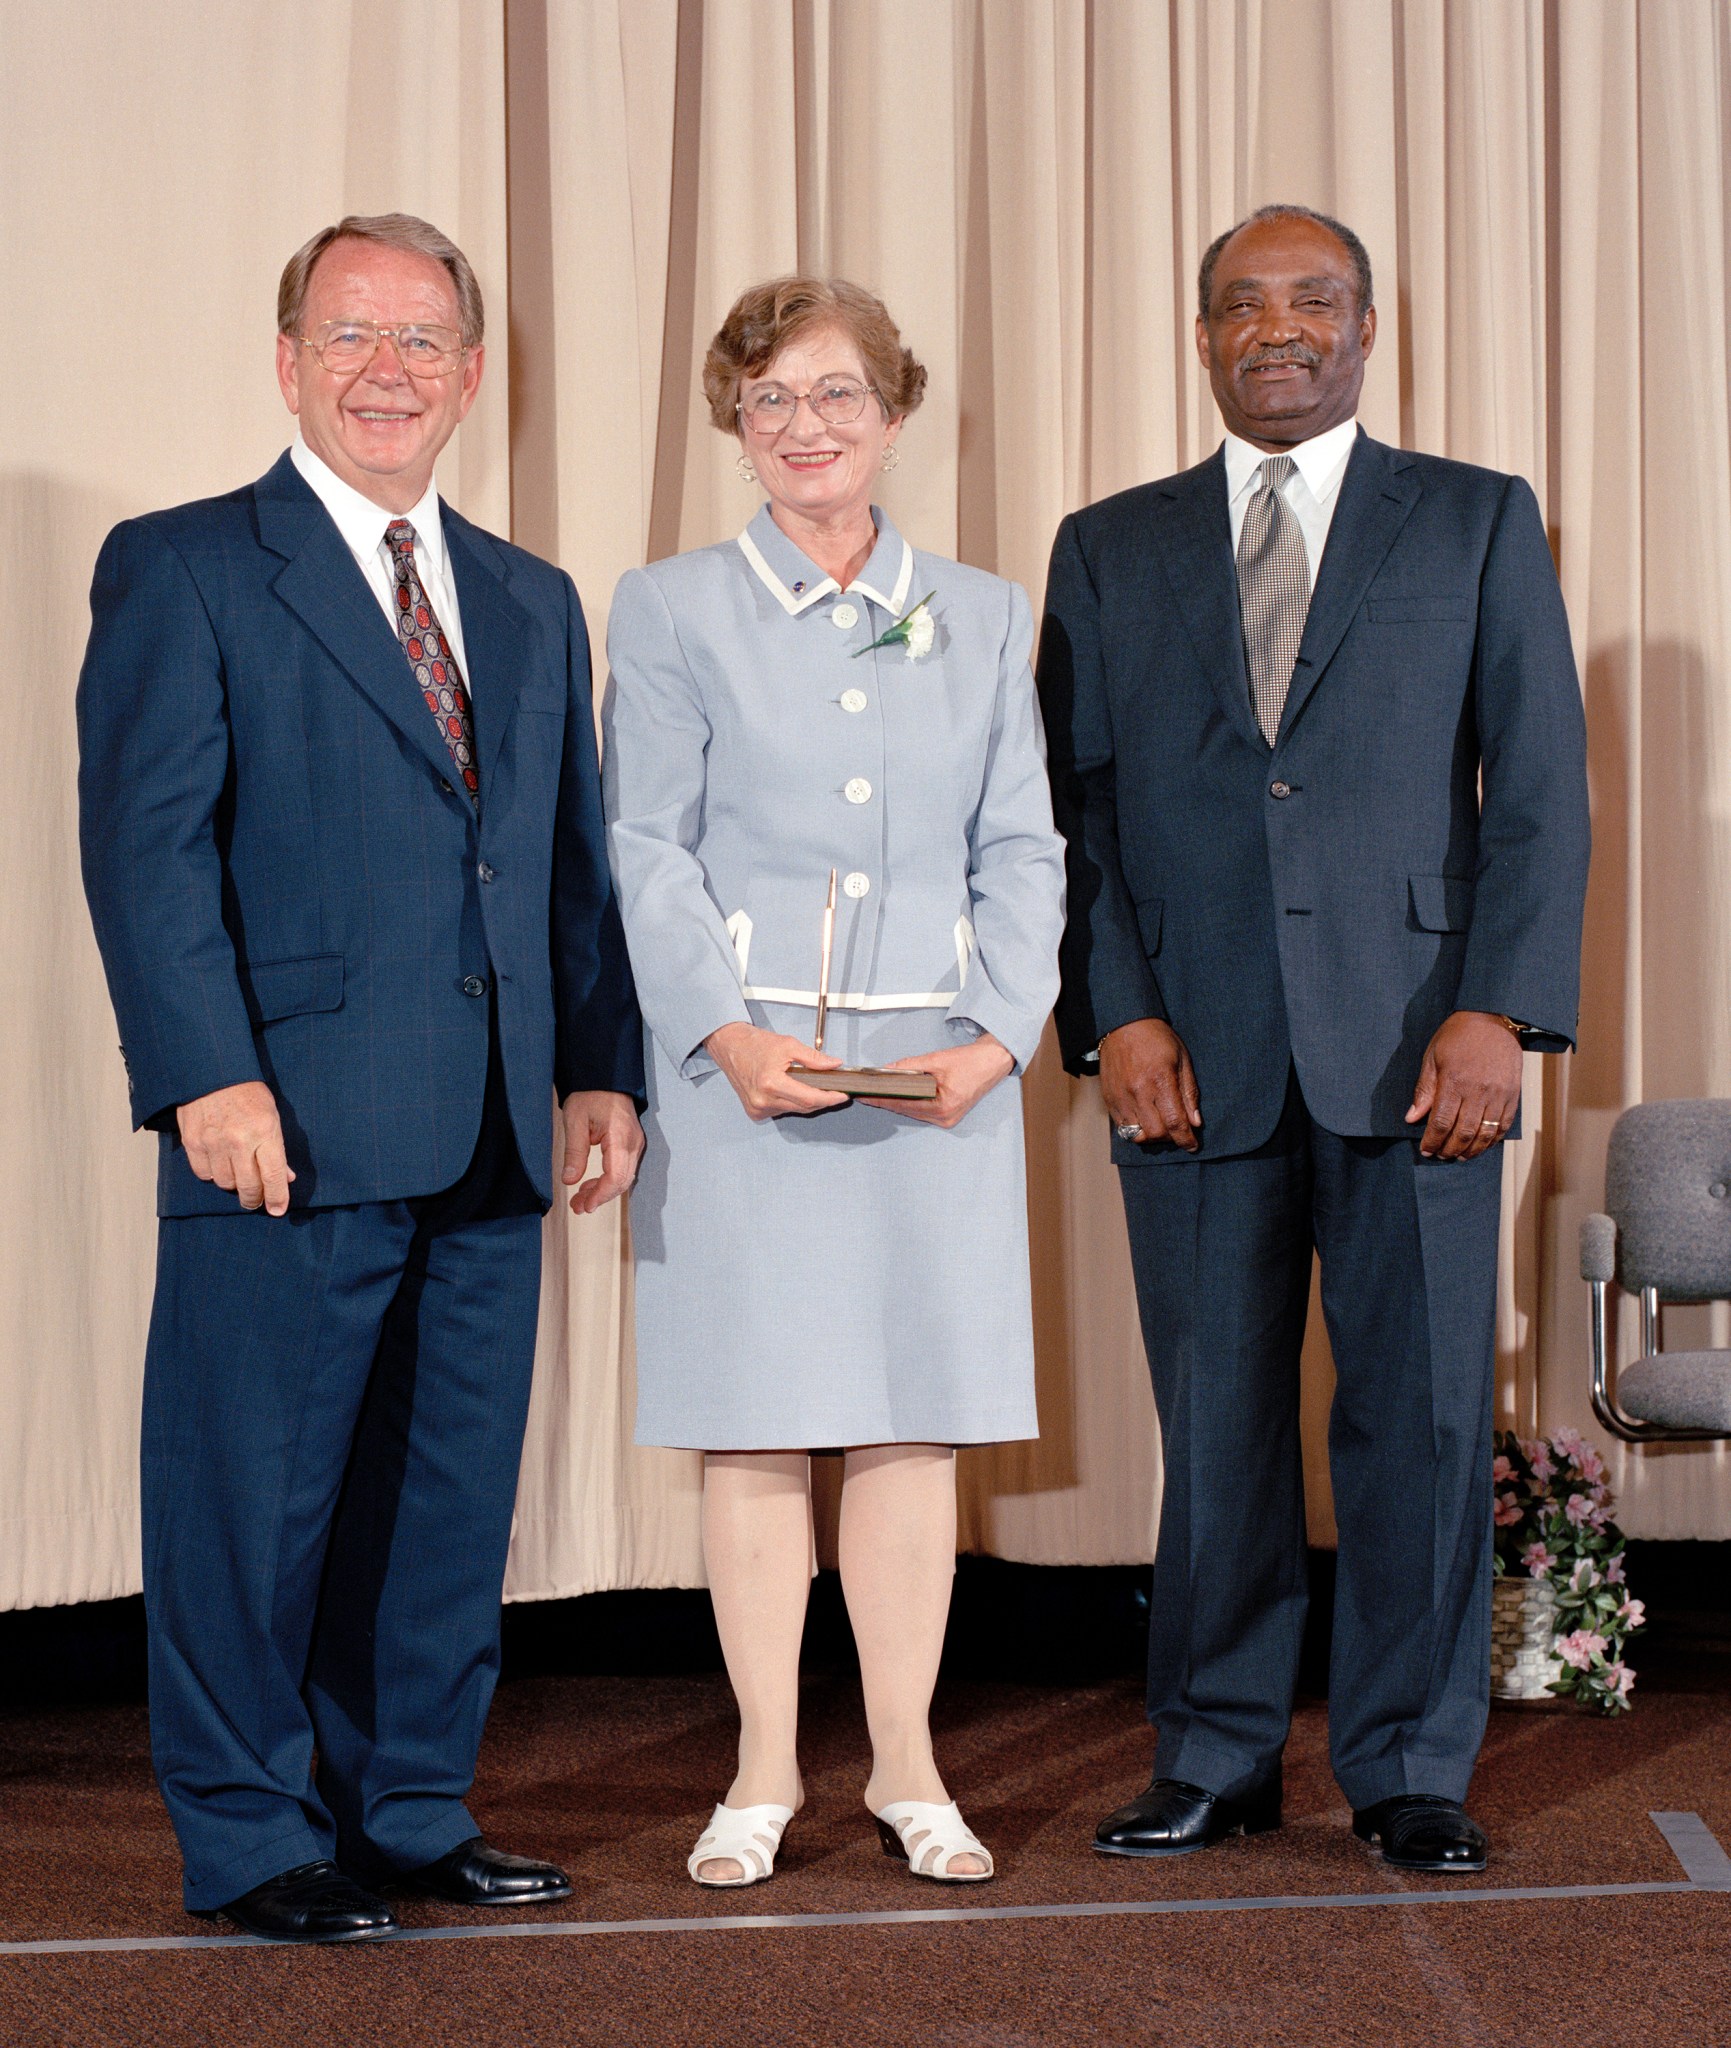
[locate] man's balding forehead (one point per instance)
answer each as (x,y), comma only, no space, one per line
(1325,280)
(1342,238)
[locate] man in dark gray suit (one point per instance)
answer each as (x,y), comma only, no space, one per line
(1318,752)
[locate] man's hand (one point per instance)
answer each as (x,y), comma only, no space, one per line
(964,1074)
(1469,1086)
(1147,1079)
(756,1062)
(599,1116)
(233,1136)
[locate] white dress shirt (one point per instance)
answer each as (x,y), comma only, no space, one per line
(362,525)
(1311,491)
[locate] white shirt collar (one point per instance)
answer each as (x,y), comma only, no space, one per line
(362,523)
(1321,461)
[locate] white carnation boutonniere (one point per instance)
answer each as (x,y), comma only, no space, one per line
(913,632)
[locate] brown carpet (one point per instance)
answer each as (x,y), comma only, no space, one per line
(614,1776)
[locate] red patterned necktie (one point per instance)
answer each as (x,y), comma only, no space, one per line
(430,657)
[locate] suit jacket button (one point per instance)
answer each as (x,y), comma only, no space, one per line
(486,871)
(473,985)
(1280,789)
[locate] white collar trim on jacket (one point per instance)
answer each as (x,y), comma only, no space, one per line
(897,597)
(793,605)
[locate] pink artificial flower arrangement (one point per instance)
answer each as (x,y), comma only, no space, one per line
(1581,1646)
(1551,1508)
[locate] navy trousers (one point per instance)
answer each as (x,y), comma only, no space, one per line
(334,1404)
(1408,1253)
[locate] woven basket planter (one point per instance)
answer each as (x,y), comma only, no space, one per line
(1523,1628)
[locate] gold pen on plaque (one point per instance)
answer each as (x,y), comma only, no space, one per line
(907,1083)
(823,965)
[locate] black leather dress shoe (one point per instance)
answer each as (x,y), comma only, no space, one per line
(1418,1831)
(1172,1819)
(312,1902)
(473,1874)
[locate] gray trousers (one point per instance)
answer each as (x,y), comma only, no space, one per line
(1222,1257)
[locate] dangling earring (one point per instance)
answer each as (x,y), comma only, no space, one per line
(747,475)
(892,455)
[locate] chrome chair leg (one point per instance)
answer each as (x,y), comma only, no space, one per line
(1651,1342)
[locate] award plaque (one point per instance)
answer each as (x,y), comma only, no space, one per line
(903,1084)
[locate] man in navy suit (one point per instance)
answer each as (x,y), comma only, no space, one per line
(342,842)
(1318,753)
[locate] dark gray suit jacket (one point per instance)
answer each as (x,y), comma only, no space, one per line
(1414,843)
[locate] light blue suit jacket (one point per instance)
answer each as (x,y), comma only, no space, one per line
(751,743)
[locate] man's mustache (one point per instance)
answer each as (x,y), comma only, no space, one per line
(1258,358)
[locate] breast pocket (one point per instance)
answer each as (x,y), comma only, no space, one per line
(534,747)
(1419,611)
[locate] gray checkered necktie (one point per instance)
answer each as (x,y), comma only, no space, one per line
(1273,593)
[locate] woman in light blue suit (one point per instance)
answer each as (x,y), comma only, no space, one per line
(815,1270)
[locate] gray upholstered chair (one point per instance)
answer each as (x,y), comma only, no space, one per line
(1666,1237)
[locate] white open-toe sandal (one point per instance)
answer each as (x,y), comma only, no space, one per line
(931,1837)
(746,1835)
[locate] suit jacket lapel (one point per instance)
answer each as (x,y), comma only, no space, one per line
(498,635)
(1377,495)
(1192,539)
(321,584)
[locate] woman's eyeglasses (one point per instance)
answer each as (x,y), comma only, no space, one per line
(837,401)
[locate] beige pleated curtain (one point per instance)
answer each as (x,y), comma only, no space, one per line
(1542,185)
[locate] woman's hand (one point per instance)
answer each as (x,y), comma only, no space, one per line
(964,1073)
(756,1062)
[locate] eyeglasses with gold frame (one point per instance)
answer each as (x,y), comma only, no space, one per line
(836,401)
(345,346)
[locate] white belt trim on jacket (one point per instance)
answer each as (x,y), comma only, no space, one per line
(739,929)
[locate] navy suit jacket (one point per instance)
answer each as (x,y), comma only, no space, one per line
(1415,841)
(288,886)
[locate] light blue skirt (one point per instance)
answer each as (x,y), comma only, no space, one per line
(846,1278)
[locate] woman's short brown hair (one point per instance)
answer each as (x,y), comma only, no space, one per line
(766,317)
(394,231)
